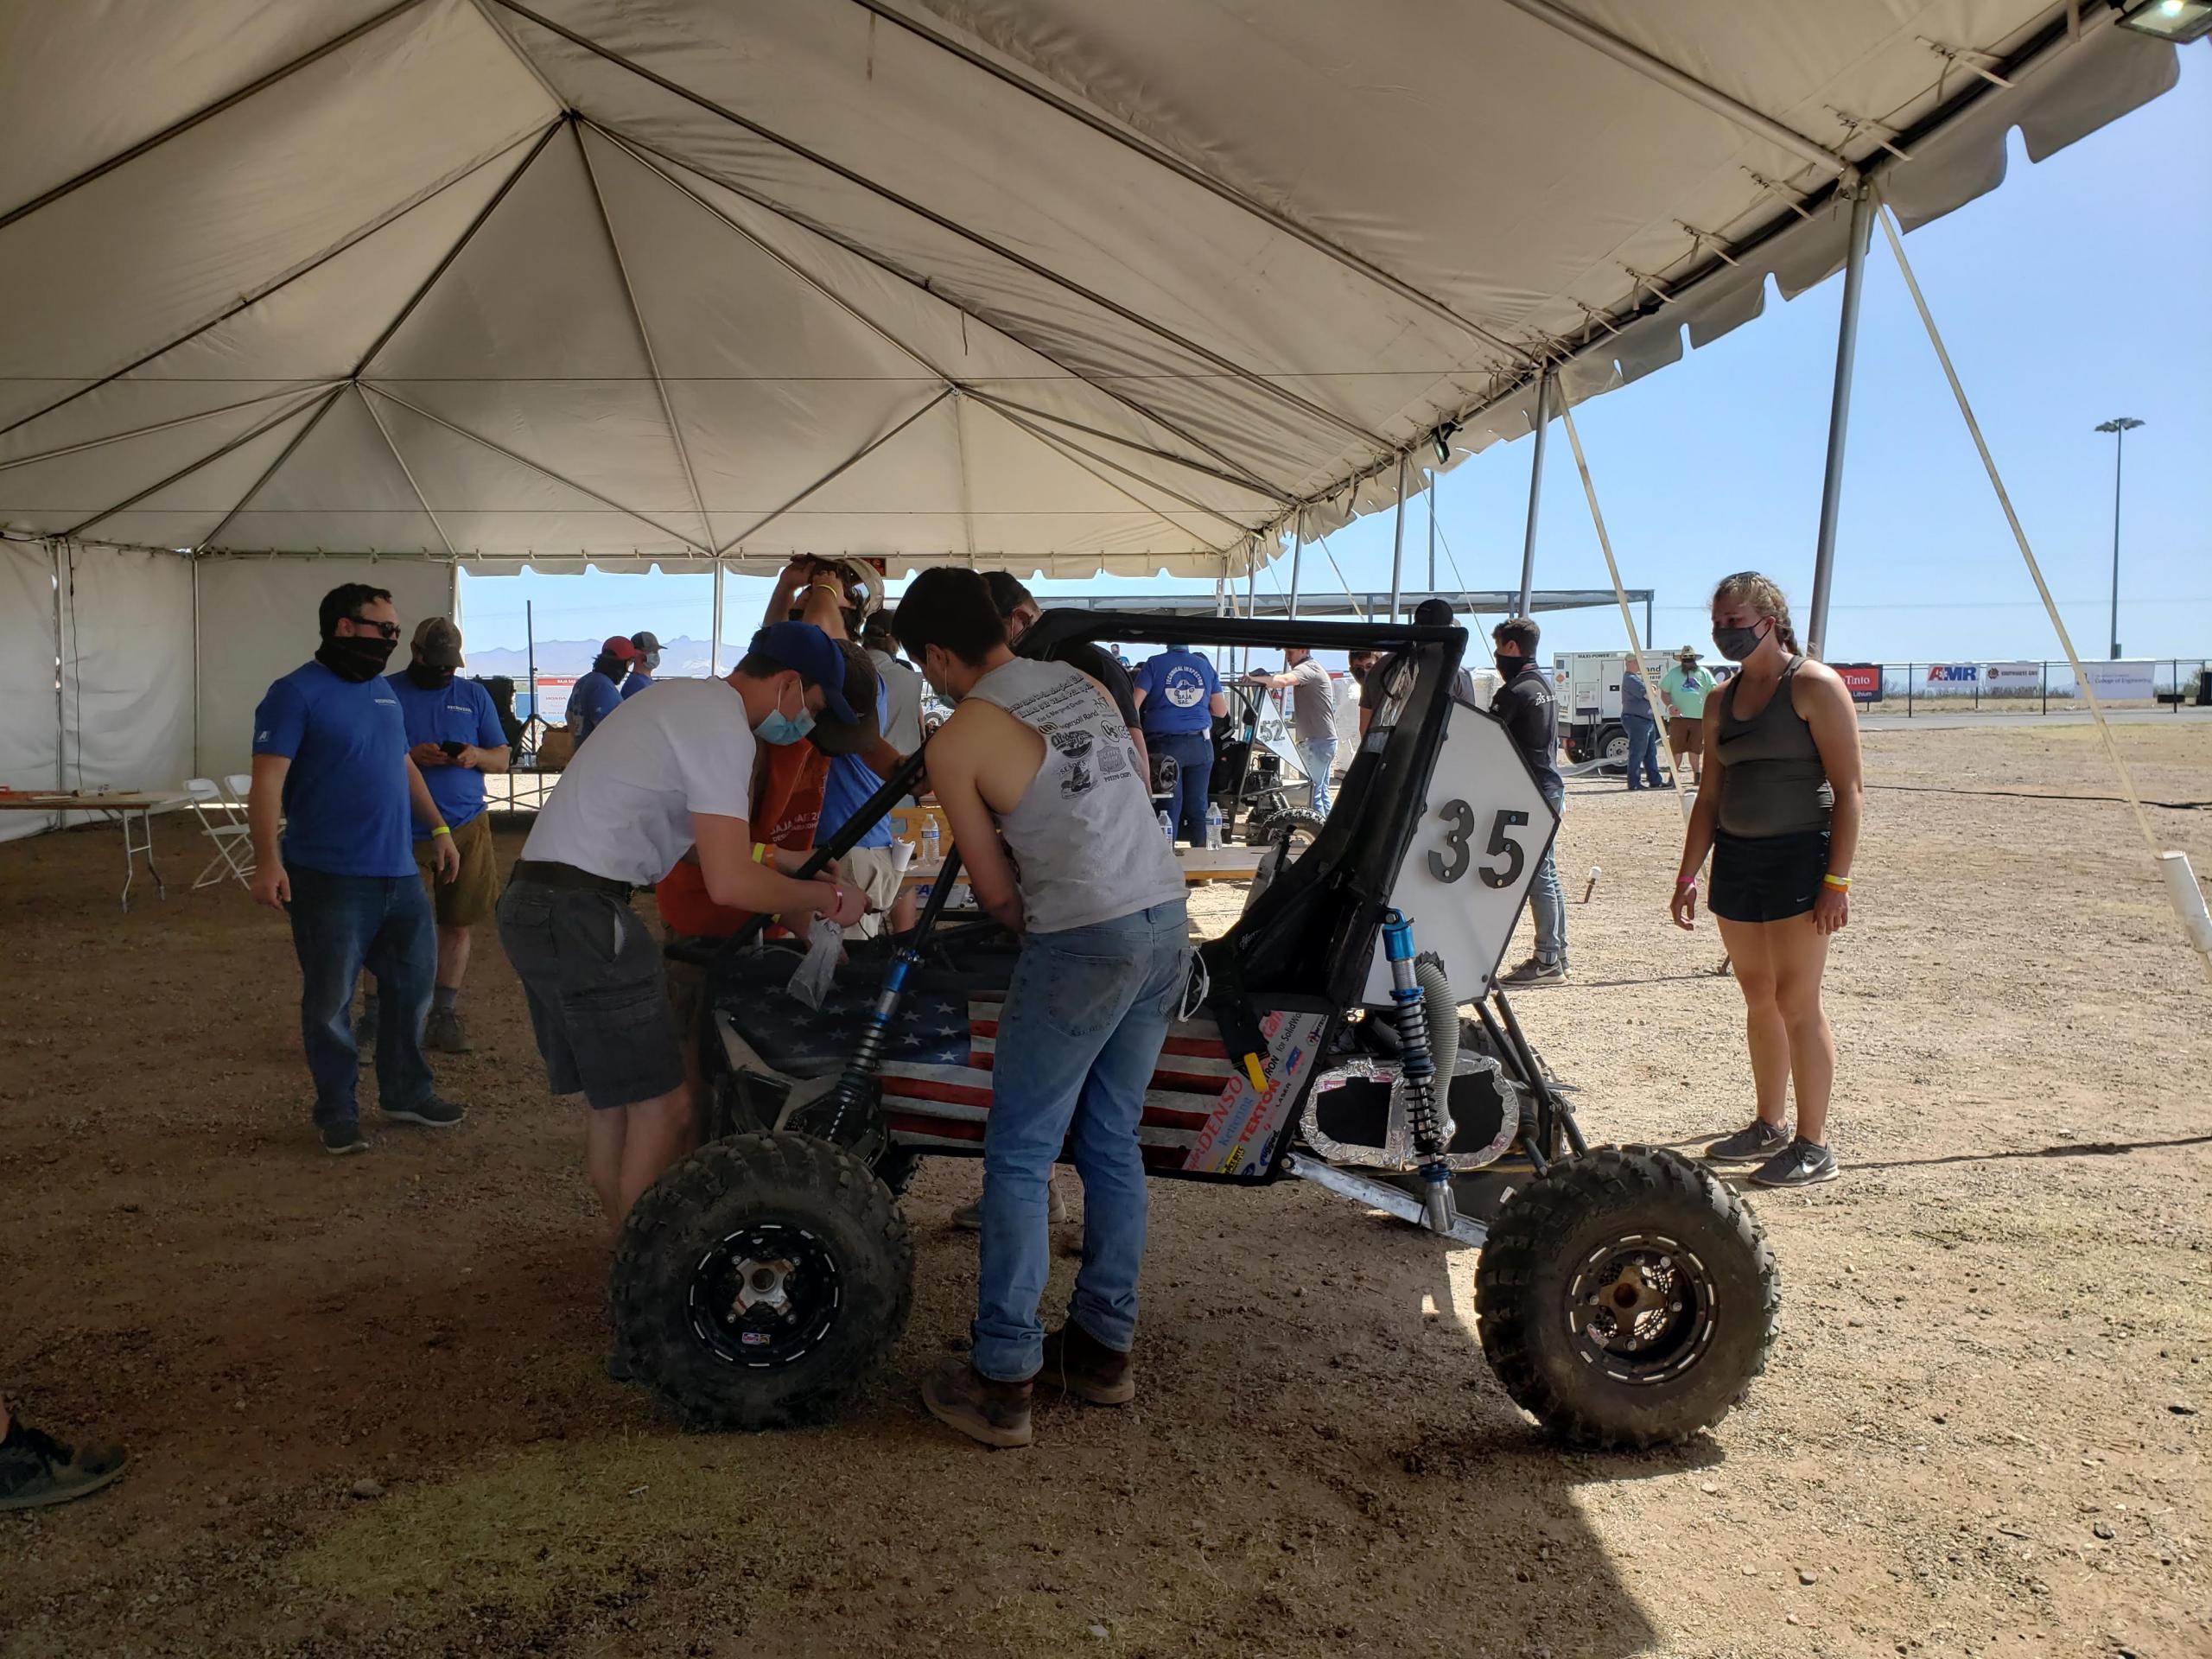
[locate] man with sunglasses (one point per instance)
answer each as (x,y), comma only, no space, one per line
(330,765)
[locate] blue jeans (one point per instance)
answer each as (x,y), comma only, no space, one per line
(1545,902)
(341,923)
(1642,750)
(1085,1015)
(1317,757)
(1193,754)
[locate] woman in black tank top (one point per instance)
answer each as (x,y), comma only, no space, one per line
(1779,810)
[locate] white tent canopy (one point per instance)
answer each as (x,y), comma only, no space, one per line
(1056,285)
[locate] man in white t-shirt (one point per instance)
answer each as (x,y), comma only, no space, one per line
(662,775)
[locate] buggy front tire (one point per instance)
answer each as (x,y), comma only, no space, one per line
(761,1282)
(1627,1298)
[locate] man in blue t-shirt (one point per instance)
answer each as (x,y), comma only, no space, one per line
(1178,698)
(598,693)
(455,738)
(330,765)
(647,646)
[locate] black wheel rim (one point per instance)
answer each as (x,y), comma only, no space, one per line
(1641,1308)
(765,1295)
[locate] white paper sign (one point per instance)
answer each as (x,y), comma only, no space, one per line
(1482,831)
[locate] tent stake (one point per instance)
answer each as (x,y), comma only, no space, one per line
(1846,353)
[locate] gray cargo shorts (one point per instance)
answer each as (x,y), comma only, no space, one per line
(598,1001)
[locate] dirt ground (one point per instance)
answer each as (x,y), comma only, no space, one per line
(1984,1430)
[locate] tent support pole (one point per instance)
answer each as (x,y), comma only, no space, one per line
(194,558)
(1846,353)
(1433,479)
(1398,540)
(1535,491)
(1297,553)
(61,708)
(714,638)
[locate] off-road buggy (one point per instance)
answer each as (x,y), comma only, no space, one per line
(1625,1297)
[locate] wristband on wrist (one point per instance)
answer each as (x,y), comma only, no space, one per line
(438,829)
(1841,883)
(759,852)
(1686,880)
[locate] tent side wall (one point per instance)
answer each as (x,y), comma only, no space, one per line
(258,622)
(123,656)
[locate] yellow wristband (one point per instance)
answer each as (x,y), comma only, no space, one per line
(439,829)
(1841,883)
(759,852)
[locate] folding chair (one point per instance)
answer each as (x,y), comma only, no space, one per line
(222,817)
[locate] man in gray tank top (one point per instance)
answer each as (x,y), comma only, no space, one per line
(1053,819)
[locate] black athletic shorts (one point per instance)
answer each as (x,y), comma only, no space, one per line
(1766,878)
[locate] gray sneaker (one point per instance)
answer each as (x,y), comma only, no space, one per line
(430,1112)
(443,1032)
(1801,1163)
(36,1470)
(969,1216)
(1534,972)
(1755,1143)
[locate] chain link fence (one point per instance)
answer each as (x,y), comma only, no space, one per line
(2175,682)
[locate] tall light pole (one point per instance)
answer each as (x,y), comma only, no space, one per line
(2119,427)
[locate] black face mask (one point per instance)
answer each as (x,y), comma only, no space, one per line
(1736,644)
(1508,665)
(356,657)
(430,679)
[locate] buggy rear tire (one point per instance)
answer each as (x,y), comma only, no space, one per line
(761,1282)
(1627,1298)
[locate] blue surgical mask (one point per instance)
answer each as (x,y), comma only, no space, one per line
(780,729)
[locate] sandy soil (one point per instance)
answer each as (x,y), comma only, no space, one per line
(1985,1429)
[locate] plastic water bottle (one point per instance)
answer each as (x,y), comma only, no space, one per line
(1213,824)
(929,842)
(1167,826)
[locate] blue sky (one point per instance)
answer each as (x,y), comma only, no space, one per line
(2071,293)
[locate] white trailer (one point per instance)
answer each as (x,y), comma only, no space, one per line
(1587,684)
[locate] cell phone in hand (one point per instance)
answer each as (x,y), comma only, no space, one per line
(453,749)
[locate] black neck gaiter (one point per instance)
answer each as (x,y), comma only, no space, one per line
(357,656)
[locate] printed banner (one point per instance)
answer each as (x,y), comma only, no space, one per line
(1963,677)
(1862,680)
(2012,677)
(2124,682)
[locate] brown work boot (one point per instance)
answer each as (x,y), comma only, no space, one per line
(1086,1368)
(982,1409)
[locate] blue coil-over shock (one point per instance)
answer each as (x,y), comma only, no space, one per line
(1425,1117)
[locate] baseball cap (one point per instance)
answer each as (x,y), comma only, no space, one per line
(647,641)
(616,646)
(437,642)
(857,736)
(814,655)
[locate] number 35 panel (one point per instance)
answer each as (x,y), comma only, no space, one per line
(1484,828)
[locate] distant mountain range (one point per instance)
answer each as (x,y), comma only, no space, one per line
(678,656)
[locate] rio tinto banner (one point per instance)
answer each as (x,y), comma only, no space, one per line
(1862,680)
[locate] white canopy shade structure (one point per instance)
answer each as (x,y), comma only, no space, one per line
(1067,287)
(314,290)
